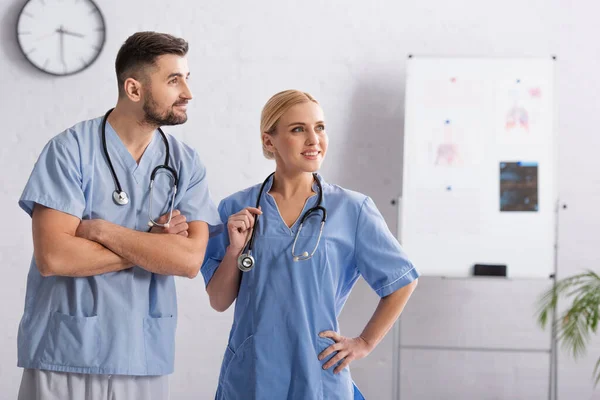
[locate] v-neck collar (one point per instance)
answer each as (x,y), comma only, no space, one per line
(311,199)
(125,156)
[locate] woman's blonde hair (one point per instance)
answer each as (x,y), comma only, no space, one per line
(275,108)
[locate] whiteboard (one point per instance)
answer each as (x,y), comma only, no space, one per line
(479,175)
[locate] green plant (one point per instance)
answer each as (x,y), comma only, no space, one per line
(574,326)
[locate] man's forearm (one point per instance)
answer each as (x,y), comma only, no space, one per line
(78,257)
(160,254)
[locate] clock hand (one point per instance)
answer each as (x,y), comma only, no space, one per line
(47,35)
(62,45)
(66,32)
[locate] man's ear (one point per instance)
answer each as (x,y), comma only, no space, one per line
(133,89)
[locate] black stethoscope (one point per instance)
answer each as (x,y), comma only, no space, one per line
(246,262)
(120,196)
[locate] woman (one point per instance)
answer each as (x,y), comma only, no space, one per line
(298,271)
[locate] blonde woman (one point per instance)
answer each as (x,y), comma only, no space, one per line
(292,251)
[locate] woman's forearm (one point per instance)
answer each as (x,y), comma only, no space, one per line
(387,312)
(224,285)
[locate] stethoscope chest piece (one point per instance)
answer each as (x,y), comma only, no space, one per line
(120,197)
(245,262)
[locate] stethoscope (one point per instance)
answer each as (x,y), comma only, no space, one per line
(246,262)
(120,196)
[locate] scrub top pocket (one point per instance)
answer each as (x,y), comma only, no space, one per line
(72,340)
(237,372)
(159,338)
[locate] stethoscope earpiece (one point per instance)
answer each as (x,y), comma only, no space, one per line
(303,256)
(152,224)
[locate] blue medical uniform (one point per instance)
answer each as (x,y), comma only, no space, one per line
(283,305)
(120,322)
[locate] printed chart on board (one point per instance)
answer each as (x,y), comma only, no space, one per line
(479,182)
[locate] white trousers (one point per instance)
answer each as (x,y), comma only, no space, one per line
(48,385)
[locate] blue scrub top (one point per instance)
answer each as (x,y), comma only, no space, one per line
(283,305)
(115,323)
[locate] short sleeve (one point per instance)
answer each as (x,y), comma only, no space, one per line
(215,251)
(55,181)
(196,204)
(379,257)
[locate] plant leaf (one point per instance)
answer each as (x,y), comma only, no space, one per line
(580,318)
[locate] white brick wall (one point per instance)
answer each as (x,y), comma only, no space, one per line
(351,56)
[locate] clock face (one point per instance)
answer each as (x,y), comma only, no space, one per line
(61,37)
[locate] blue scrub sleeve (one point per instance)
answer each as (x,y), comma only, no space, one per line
(217,245)
(55,181)
(379,257)
(197,204)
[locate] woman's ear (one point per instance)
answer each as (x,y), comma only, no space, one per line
(267,140)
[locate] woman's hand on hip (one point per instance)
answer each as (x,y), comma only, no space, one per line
(348,349)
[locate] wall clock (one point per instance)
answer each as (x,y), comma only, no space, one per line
(61,37)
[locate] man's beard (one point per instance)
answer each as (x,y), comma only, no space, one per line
(154,117)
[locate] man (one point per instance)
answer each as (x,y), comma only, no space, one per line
(100,309)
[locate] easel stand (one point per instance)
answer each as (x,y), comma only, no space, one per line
(551,351)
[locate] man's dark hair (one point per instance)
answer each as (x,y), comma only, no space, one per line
(141,50)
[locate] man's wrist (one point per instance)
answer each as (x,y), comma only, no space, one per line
(98,232)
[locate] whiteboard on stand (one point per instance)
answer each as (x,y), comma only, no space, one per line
(479,175)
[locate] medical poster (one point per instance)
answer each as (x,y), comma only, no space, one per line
(519,186)
(451,141)
(452,91)
(519,105)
